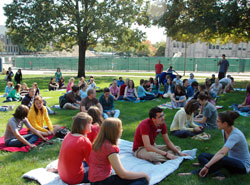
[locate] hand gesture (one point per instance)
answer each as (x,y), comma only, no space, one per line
(197,129)
(203,172)
(32,146)
(171,156)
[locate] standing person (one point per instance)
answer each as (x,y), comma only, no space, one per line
(105,155)
(18,76)
(38,115)
(158,69)
(224,64)
(58,74)
(144,146)
(182,124)
(107,102)
(89,101)
(209,113)
(12,136)
(75,150)
(9,74)
(238,159)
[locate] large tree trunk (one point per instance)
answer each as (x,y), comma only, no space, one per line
(81,60)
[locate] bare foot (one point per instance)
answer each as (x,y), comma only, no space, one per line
(196,164)
(53,170)
(219,178)
(184,174)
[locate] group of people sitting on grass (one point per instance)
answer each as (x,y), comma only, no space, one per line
(93,141)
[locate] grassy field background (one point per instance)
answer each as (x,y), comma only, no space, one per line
(14,165)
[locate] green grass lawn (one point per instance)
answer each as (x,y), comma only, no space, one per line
(14,165)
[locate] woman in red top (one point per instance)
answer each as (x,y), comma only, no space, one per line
(96,115)
(75,151)
(105,155)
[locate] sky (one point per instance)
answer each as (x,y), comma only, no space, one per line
(154,34)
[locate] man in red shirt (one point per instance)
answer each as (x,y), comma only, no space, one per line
(144,146)
(158,69)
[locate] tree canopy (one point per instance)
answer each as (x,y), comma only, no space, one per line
(206,20)
(65,23)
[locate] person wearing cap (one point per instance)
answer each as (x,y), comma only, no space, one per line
(224,64)
(191,79)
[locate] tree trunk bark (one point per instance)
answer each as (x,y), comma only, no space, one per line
(81,59)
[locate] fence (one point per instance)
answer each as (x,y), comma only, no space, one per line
(130,63)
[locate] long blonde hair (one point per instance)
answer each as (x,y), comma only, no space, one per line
(110,130)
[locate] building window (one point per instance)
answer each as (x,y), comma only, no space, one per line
(174,45)
(210,46)
(217,47)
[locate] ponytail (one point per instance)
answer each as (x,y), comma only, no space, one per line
(228,116)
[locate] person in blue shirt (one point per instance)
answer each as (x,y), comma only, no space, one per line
(238,159)
(120,82)
(142,93)
(191,89)
(107,102)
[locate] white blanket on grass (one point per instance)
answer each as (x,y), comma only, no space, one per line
(156,172)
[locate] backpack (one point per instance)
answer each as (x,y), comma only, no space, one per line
(62,100)
(62,132)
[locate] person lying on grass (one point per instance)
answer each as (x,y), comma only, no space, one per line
(238,159)
(105,155)
(75,150)
(38,114)
(12,136)
(144,146)
(183,125)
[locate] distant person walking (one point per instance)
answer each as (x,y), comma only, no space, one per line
(158,69)
(224,64)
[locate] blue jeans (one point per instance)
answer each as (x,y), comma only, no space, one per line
(31,138)
(115,179)
(157,76)
(231,164)
(115,115)
(130,99)
(179,104)
(86,173)
(8,99)
(49,110)
(184,133)
(242,109)
(147,97)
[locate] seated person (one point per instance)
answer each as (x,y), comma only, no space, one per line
(75,150)
(151,83)
(245,106)
(53,85)
(97,121)
(114,90)
(208,83)
(61,83)
(105,155)
(107,102)
(120,82)
(212,79)
(29,98)
(92,84)
(143,94)
(238,159)
(177,80)
(38,115)
(70,84)
(209,112)
(82,81)
(35,86)
(183,125)
(130,93)
(179,97)
(156,88)
(192,89)
(122,89)
(83,91)
(89,101)
(215,89)
(185,85)
(8,88)
(14,94)
(72,99)
(144,146)
(191,79)
(12,136)
(227,84)
(169,89)
(24,90)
